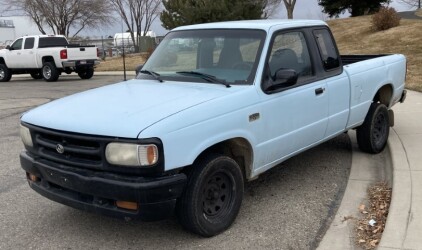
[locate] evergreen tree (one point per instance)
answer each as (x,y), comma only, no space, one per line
(185,12)
(356,7)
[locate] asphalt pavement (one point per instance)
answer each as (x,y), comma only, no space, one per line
(289,207)
(409,15)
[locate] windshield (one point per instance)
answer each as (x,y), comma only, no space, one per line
(229,56)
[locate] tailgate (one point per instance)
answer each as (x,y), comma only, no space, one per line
(83,53)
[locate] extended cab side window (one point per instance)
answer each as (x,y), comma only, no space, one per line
(290,51)
(329,56)
(29,43)
(17,45)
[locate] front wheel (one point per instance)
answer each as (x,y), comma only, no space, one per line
(50,72)
(212,198)
(373,134)
(86,73)
(5,73)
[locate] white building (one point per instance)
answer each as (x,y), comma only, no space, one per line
(126,39)
(7,32)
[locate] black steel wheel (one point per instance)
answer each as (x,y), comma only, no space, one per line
(372,135)
(212,198)
(5,73)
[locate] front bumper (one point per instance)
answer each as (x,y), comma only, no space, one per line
(97,192)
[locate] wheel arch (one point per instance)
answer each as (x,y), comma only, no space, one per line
(45,59)
(2,61)
(384,94)
(237,148)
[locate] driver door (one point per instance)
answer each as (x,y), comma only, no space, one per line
(14,55)
(296,116)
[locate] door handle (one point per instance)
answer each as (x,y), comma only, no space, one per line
(319,91)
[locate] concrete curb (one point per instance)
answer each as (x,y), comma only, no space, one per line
(399,214)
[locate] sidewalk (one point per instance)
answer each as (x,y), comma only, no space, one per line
(404,223)
(402,168)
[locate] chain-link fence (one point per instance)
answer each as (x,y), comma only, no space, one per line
(110,47)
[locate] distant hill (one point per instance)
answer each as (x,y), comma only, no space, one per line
(355,36)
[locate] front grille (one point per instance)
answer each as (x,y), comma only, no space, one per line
(86,152)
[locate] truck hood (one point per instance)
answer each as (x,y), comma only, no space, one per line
(122,109)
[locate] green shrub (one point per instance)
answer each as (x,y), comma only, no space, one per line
(385,19)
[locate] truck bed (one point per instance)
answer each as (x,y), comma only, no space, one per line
(349,59)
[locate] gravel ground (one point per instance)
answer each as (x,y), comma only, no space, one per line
(289,207)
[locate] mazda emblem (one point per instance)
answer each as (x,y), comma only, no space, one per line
(60,149)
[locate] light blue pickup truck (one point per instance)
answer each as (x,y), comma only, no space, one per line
(215,105)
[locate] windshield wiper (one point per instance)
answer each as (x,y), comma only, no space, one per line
(154,74)
(207,77)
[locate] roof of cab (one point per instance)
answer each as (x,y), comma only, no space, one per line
(264,24)
(42,36)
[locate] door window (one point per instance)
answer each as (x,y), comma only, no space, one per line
(327,49)
(290,51)
(29,43)
(17,45)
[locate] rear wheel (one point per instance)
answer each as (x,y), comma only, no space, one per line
(86,73)
(36,75)
(373,134)
(50,72)
(212,198)
(5,73)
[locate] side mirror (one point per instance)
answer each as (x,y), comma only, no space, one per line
(283,78)
(286,77)
(138,68)
(8,47)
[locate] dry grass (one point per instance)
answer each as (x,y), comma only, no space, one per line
(116,63)
(355,36)
(419,13)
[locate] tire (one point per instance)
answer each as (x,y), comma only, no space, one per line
(373,134)
(86,74)
(36,75)
(5,73)
(212,197)
(50,72)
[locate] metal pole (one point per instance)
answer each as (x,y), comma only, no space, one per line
(123,48)
(419,6)
(103,50)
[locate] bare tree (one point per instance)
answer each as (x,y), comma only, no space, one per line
(63,16)
(270,6)
(138,15)
(413,3)
(290,5)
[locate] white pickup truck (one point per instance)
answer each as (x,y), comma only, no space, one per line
(214,106)
(47,57)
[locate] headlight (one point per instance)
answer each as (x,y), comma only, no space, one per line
(26,136)
(127,154)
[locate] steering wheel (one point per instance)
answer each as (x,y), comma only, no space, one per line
(242,66)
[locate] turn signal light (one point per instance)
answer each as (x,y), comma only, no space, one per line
(127,205)
(32,177)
